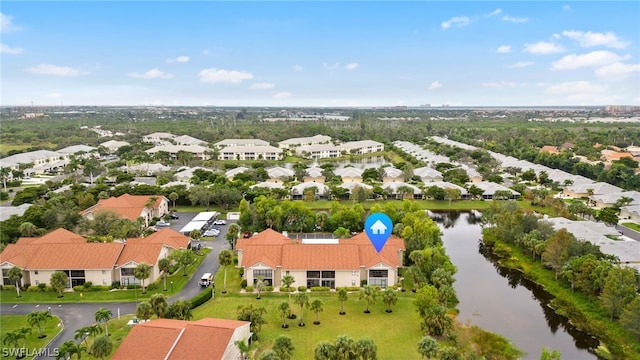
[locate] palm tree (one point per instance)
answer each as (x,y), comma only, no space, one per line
(173,197)
(159,304)
(142,272)
(369,294)
(269,355)
(39,319)
(58,281)
(22,334)
(243,347)
(225,258)
(366,349)
(15,274)
(164,265)
(180,309)
(103,315)
(345,348)
(428,347)
(28,229)
(84,332)
(316,307)
(101,347)
(325,351)
(285,309)
(144,310)
(302,300)
(66,350)
(232,235)
(389,297)
(342,296)
(12,339)
(287,281)
(259,286)
(283,347)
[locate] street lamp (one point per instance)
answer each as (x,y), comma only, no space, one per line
(171,285)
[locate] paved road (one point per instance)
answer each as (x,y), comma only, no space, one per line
(77,315)
(628,232)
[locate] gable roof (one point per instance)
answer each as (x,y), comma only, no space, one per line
(177,339)
(274,249)
(166,236)
(128,206)
(53,256)
(139,254)
(58,236)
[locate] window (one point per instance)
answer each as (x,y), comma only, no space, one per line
(378,273)
(36,272)
(37,282)
(104,272)
(321,278)
(378,278)
(267,275)
(126,272)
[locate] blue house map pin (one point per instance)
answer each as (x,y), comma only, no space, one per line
(378,227)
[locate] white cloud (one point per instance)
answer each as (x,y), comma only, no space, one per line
(205,51)
(261,86)
(331,67)
(566,8)
(458,21)
(543,47)
(151,74)
(214,75)
(434,85)
(520,64)
(47,69)
(282,95)
(499,84)
(6,24)
(4,49)
(575,87)
(179,59)
(352,66)
(594,58)
(515,19)
(618,70)
(495,12)
(54,95)
(296,68)
(503,49)
(591,39)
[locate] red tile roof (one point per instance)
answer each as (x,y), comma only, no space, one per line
(178,339)
(140,253)
(62,256)
(166,236)
(58,236)
(289,254)
(128,206)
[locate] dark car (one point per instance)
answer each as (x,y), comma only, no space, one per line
(174,216)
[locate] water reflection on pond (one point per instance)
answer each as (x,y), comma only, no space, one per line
(501,300)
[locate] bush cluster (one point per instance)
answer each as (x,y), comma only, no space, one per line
(268,288)
(243,283)
(249,288)
(9,287)
(302,288)
(350,288)
(287,289)
(201,298)
(81,288)
(320,288)
(38,288)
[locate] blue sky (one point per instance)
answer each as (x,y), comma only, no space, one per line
(335,53)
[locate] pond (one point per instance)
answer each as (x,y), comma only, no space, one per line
(501,300)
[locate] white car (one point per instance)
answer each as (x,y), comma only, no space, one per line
(211,232)
(220,222)
(162,223)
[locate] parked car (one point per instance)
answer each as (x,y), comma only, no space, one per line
(163,223)
(220,222)
(211,232)
(174,216)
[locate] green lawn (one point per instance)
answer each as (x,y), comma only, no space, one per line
(632,226)
(395,333)
(179,281)
(10,323)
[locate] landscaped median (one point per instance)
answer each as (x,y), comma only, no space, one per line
(175,283)
(31,344)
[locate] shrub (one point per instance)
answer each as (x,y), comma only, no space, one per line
(30,288)
(201,298)
(24,286)
(285,289)
(173,268)
(363,282)
(4,195)
(1,287)
(241,272)
(243,283)
(302,288)
(152,287)
(100,288)
(48,289)
(42,286)
(320,288)
(79,288)
(9,287)
(249,288)
(87,284)
(133,286)
(350,288)
(268,288)
(115,285)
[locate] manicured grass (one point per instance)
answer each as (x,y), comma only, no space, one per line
(632,226)
(118,330)
(394,334)
(10,323)
(179,281)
